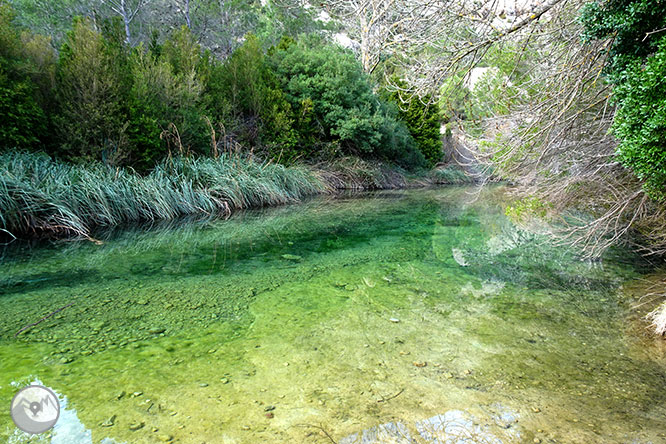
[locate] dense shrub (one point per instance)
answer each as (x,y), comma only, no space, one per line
(333,101)
(168,99)
(628,22)
(640,122)
(637,70)
(262,115)
(104,100)
(421,115)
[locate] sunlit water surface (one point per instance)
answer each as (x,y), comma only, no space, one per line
(401,317)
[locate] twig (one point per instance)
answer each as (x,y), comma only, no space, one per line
(648,34)
(319,427)
(391,397)
(43,319)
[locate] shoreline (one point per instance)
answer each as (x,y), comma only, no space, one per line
(42,198)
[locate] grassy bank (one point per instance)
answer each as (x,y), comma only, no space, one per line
(41,197)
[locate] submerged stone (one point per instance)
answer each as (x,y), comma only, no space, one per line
(136,425)
(109,422)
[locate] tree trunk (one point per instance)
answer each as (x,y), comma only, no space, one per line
(187,14)
(126,20)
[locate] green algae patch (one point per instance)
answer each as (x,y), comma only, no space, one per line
(391,314)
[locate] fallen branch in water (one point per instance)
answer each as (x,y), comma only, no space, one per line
(43,319)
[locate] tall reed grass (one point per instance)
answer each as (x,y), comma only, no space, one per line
(43,197)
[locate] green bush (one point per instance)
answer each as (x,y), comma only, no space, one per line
(636,69)
(421,115)
(23,121)
(168,99)
(102,100)
(628,23)
(640,121)
(263,117)
(334,103)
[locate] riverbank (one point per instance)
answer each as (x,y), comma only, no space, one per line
(42,197)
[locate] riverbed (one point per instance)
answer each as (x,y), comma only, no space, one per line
(420,316)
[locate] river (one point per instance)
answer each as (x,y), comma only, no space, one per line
(421,316)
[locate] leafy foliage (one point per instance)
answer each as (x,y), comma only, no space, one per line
(634,25)
(23,122)
(91,90)
(105,100)
(640,122)
(261,112)
(637,69)
(421,115)
(334,103)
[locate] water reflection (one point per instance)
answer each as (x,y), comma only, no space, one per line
(451,427)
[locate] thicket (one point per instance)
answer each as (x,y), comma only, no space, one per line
(98,98)
(636,68)
(422,117)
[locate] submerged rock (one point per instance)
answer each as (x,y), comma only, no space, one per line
(109,422)
(136,425)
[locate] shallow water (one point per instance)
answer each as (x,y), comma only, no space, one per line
(406,317)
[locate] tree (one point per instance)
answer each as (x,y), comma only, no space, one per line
(385,26)
(637,68)
(334,101)
(127,10)
(49,18)
(26,64)
(92,83)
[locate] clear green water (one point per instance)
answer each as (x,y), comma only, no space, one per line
(422,313)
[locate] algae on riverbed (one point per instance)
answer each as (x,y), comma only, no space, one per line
(197,331)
